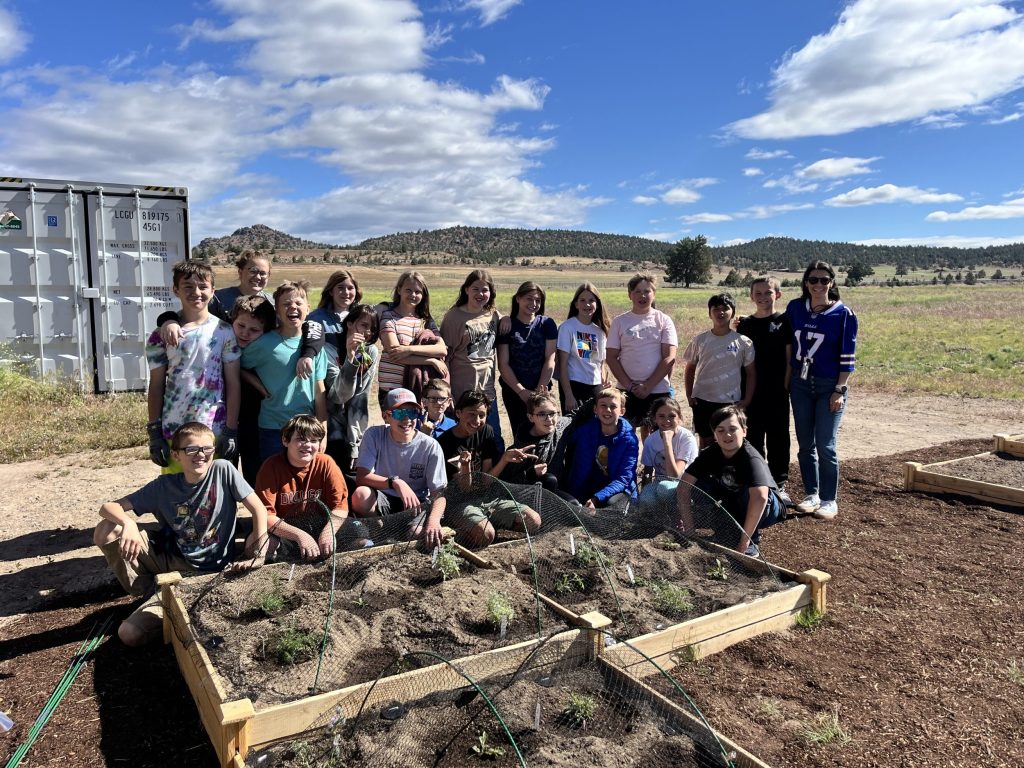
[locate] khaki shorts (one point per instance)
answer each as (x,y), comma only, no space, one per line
(504,514)
(139,579)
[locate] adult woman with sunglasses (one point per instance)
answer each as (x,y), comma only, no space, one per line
(824,347)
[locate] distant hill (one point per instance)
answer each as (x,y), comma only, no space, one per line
(489,245)
(786,253)
(258,237)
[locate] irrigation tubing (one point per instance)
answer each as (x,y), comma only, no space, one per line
(78,661)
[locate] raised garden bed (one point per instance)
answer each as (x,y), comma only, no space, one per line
(996,476)
(283,708)
(565,710)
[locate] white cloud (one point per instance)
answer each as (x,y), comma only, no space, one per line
(949,241)
(13,39)
(837,167)
(751,212)
(645,200)
(763,154)
(752,172)
(1011,118)
(680,195)
(665,237)
(889,61)
(324,38)
(889,193)
(706,218)
(1011,209)
(791,184)
(402,151)
(491,10)
(735,241)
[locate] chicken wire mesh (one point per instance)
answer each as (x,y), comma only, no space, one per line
(552,703)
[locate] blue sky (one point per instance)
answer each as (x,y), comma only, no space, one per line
(884,121)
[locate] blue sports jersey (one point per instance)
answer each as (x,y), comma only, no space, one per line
(828,339)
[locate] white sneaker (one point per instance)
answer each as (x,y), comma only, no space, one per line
(809,504)
(784,497)
(827,510)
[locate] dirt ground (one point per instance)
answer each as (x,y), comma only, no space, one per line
(924,615)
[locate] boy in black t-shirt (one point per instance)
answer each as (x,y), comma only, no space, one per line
(768,412)
(735,475)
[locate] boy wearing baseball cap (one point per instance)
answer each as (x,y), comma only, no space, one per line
(400,468)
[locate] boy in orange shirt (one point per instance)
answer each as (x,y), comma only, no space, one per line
(294,483)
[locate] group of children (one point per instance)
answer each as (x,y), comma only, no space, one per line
(238,373)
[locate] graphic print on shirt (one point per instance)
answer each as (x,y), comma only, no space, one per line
(602,459)
(586,343)
(189,525)
(481,342)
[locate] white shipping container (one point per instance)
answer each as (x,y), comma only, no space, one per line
(85,269)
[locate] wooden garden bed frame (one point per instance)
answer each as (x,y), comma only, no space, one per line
(930,478)
(237,726)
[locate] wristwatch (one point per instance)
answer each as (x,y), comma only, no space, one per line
(391,481)
(841,389)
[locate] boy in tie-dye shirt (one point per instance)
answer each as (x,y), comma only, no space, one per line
(197,380)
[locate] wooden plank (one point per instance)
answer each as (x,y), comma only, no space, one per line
(753,563)
(671,709)
(817,580)
(715,631)
(935,481)
(954,461)
(284,720)
(1009,444)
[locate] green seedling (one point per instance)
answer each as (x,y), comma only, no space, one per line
(447,561)
(293,645)
(670,545)
(569,582)
(1015,671)
(810,618)
(688,654)
(499,607)
(271,601)
(826,729)
(485,751)
(671,600)
(588,555)
(580,708)
(718,571)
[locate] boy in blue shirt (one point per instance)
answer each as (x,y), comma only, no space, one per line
(602,470)
(196,510)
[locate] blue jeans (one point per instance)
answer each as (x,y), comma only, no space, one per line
(658,500)
(736,505)
(270,443)
(816,429)
(494,419)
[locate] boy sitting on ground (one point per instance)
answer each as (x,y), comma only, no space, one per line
(196,510)
(602,470)
(399,468)
(734,474)
(295,483)
(196,380)
(472,443)
(437,394)
(539,438)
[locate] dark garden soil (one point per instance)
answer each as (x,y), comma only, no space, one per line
(996,468)
(585,582)
(624,729)
(916,655)
(384,606)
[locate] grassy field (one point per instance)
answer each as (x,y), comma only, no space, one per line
(956,340)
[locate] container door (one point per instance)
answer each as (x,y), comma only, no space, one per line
(136,242)
(44,316)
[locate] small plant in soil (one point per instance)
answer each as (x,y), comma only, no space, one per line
(1015,671)
(580,708)
(810,618)
(826,729)
(486,751)
(669,545)
(569,582)
(588,555)
(499,607)
(686,655)
(718,572)
(447,560)
(671,600)
(292,645)
(270,602)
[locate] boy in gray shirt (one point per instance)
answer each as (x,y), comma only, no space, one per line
(196,510)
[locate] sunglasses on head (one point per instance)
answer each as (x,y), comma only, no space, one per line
(819,280)
(401,414)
